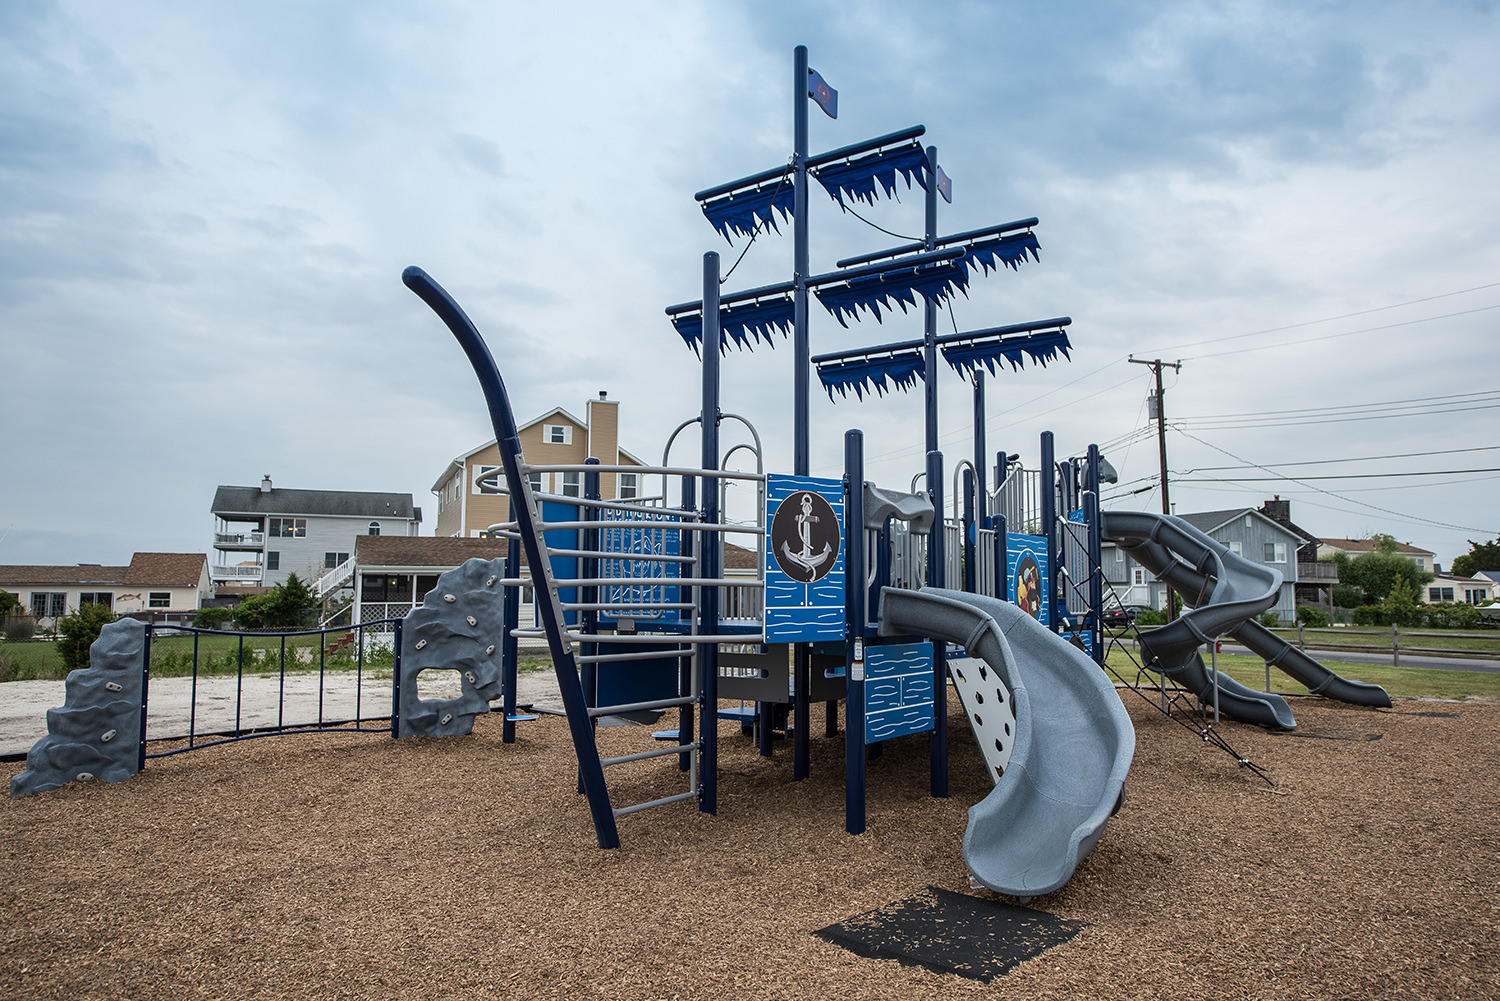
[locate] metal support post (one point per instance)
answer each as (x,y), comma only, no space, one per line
(855,618)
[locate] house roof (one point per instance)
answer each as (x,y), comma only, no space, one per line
(331,503)
(448,470)
(423,551)
(1208,522)
(82,573)
(740,558)
(145,570)
(1493,575)
(169,569)
(1368,545)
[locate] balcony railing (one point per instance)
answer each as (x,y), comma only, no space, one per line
(249,573)
(1318,571)
(223,540)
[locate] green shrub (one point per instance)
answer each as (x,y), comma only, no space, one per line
(1370,615)
(1400,604)
(1269,618)
(1312,617)
(79,631)
(1151,617)
(1449,615)
(212,618)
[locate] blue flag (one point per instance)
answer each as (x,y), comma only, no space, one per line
(945,186)
(826,96)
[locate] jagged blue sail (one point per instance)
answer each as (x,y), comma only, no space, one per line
(901,370)
(743,212)
(743,323)
(1011,250)
(899,287)
(1041,348)
(857,178)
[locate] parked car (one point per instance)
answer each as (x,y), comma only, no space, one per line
(1123,615)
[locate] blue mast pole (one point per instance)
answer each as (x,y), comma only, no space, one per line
(802,359)
(708,556)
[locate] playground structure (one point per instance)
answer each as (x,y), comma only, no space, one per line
(852,601)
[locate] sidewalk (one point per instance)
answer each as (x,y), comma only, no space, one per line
(172,704)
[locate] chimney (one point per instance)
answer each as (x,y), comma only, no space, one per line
(603,395)
(265,484)
(1277,510)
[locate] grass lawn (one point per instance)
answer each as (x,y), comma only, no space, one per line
(1379,638)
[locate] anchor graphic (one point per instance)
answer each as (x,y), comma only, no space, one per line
(807,559)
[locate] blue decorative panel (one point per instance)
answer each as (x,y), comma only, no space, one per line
(898,690)
(1027,566)
(804,559)
(648,580)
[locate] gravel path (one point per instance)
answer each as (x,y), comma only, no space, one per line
(350,866)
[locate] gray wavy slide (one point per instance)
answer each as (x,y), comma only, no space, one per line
(1225,593)
(1069,755)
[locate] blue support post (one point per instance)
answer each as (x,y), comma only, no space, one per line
(970,532)
(1049,524)
(1002,554)
(935,546)
(709,557)
(140,762)
(802,360)
(855,618)
(507,438)
(929,316)
(982,501)
(395,677)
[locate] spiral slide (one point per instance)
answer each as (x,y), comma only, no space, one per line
(1225,593)
(1070,752)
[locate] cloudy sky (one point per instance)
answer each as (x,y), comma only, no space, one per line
(207,207)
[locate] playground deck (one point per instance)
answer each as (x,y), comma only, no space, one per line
(372,868)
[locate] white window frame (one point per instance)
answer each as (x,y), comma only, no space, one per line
(536,481)
(1138,577)
(52,604)
(92,598)
(628,485)
(572,484)
(273,559)
(158,599)
(1237,547)
(557,434)
(1276,554)
(481,489)
(374,528)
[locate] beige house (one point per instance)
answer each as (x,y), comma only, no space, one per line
(471,491)
(166,585)
(1423,558)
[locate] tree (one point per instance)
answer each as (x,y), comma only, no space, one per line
(1481,556)
(1376,572)
(286,606)
(10,604)
(1400,604)
(79,631)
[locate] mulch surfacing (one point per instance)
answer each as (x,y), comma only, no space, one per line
(347,866)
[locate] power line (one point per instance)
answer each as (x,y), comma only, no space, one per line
(1353,406)
(1347,333)
(1343,476)
(1324,462)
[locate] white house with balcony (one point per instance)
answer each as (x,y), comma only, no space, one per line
(264,534)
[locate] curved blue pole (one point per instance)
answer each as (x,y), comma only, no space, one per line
(506,436)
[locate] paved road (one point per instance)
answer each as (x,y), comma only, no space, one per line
(217,704)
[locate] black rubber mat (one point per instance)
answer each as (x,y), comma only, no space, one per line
(947,932)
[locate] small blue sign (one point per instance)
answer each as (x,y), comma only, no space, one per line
(804,559)
(898,690)
(1028,571)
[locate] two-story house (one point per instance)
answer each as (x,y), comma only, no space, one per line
(1423,558)
(1247,533)
(264,534)
(163,586)
(471,491)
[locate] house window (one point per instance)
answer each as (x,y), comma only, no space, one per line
(1474,597)
(1421,562)
(557,434)
(535,480)
(495,484)
(1275,552)
(49,604)
(1440,594)
(374,528)
(629,485)
(570,485)
(1138,577)
(1238,548)
(287,528)
(105,598)
(159,599)
(331,560)
(273,561)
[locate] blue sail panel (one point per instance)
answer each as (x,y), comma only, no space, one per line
(899,287)
(857,178)
(1011,250)
(742,323)
(1040,348)
(743,212)
(887,372)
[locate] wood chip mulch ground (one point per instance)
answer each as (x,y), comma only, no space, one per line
(344,866)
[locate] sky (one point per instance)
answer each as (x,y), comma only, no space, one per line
(205,210)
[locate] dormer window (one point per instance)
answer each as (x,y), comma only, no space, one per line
(557,434)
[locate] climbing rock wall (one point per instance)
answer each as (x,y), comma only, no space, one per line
(457,627)
(97,732)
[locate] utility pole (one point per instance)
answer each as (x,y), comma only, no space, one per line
(1161,421)
(1161,443)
